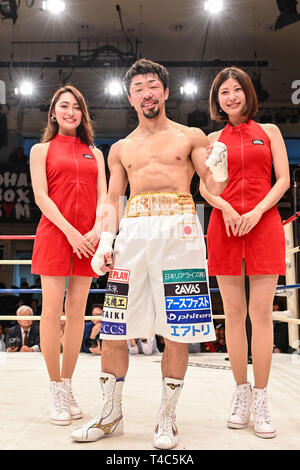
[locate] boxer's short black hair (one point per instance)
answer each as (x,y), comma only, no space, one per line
(143,67)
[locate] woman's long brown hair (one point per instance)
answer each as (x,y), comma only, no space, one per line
(85,129)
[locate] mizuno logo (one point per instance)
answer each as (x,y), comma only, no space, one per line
(173,386)
(107,428)
(104,379)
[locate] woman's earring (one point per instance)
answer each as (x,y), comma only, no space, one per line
(53,119)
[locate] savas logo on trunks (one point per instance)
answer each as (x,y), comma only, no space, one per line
(257,142)
(185,288)
(119,275)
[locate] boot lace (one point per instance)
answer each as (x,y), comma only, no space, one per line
(260,409)
(239,402)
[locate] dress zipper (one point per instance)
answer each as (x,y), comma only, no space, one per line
(77,184)
(243,185)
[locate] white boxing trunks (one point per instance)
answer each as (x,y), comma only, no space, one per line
(159,283)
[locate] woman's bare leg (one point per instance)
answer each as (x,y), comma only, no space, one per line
(75,305)
(53,288)
(233,295)
(262,291)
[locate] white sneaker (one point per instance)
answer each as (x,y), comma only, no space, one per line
(240,407)
(263,426)
(166,434)
(59,410)
(109,421)
(75,411)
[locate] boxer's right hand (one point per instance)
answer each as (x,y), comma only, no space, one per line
(102,260)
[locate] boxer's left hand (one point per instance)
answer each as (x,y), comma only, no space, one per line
(217,161)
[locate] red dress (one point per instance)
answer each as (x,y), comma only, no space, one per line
(72,173)
(249,174)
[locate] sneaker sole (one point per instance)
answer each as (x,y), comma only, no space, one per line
(266,435)
(58,422)
(236,425)
(99,438)
(157,446)
(78,416)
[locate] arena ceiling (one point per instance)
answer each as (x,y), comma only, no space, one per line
(178,33)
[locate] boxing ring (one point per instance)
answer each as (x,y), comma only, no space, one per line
(203,407)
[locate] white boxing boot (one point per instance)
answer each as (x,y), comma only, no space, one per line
(109,421)
(263,426)
(59,409)
(75,411)
(166,434)
(240,407)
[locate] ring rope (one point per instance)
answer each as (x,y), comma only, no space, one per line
(101,291)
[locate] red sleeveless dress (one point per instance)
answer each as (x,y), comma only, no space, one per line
(249,174)
(72,174)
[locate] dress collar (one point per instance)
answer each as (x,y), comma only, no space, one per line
(67,138)
(243,125)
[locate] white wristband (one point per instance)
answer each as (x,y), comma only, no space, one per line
(217,162)
(105,246)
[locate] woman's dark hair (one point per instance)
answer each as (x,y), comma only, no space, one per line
(143,67)
(251,106)
(85,128)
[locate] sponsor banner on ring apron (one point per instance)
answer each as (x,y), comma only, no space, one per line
(188,304)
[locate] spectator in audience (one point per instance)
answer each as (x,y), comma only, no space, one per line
(24,336)
(91,342)
(8,302)
(142,346)
(36,308)
(219,344)
(160,343)
(194,348)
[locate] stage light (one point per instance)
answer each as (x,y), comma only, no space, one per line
(114,88)
(189,89)
(54,6)
(25,89)
(213,6)
(288,13)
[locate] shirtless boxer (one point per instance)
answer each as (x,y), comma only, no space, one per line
(159,261)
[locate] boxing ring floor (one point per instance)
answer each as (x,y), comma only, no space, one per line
(201,412)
